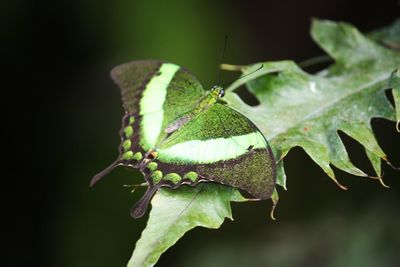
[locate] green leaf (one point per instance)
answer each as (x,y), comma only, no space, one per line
(296,109)
(388,36)
(300,109)
(174,213)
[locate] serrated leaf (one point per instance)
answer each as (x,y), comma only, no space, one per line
(300,109)
(174,212)
(296,109)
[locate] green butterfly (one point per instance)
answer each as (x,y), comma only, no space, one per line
(176,133)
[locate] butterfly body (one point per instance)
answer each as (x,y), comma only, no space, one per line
(176,133)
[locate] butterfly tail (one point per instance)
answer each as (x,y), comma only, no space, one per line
(104,172)
(140,207)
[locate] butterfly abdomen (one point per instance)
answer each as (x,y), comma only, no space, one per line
(205,103)
(177,124)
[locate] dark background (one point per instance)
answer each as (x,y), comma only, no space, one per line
(61,116)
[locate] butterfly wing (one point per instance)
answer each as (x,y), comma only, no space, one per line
(154,94)
(219,145)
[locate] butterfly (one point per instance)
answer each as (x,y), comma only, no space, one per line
(176,133)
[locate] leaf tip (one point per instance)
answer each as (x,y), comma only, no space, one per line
(314,20)
(275,200)
(272,213)
(380,179)
(383,183)
(339,184)
(392,166)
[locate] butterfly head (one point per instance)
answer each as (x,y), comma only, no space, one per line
(218,91)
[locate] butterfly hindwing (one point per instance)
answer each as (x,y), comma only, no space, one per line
(223,146)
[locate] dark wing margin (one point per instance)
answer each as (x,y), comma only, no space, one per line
(132,78)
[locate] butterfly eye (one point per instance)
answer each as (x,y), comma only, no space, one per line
(214,87)
(221,93)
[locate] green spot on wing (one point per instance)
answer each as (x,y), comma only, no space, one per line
(127,155)
(191,176)
(152,166)
(156,176)
(128,131)
(173,177)
(131,120)
(137,156)
(126,145)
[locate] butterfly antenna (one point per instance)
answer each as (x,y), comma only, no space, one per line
(241,77)
(222,59)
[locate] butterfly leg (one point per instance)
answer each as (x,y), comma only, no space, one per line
(135,186)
